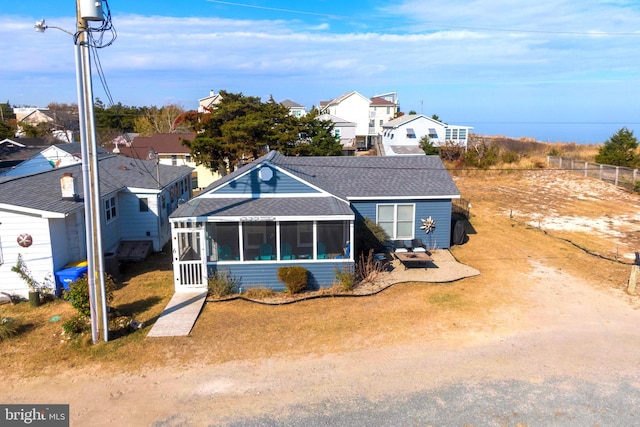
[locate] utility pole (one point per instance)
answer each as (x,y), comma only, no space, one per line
(90,10)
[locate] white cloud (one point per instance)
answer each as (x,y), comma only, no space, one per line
(426,48)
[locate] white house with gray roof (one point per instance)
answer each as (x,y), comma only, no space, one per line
(47,228)
(403,134)
(343,130)
(305,211)
(51,157)
(295,109)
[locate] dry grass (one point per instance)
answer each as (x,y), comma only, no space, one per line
(502,248)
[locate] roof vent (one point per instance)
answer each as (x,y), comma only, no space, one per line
(69,185)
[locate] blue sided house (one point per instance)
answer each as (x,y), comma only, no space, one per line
(281,211)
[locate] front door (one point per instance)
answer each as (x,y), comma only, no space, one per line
(189,258)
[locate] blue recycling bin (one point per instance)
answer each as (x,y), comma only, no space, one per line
(68,275)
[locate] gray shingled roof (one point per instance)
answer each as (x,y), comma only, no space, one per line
(41,191)
(346,177)
(290,207)
(75,148)
(372,177)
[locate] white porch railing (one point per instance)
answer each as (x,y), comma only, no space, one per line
(191,274)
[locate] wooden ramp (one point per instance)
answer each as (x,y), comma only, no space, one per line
(134,250)
(180,315)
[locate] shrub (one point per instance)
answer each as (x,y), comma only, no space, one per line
(451,152)
(259,292)
(8,327)
(368,269)
(78,294)
(76,325)
(509,157)
(427,146)
(346,279)
(481,155)
(294,278)
(222,283)
(370,236)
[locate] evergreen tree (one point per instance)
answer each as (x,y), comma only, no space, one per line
(242,128)
(620,150)
(427,146)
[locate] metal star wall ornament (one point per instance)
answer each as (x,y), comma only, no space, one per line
(428,225)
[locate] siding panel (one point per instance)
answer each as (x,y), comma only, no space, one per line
(134,225)
(252,184)
(439,210)
(37,257)
(321,274)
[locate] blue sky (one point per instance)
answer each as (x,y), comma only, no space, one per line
(553,70)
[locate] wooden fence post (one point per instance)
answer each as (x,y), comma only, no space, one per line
(633,279)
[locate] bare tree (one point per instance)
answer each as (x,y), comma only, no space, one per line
(158,120)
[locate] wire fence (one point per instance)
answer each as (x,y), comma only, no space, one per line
(620,176)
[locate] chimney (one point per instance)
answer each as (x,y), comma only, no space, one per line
(69,186)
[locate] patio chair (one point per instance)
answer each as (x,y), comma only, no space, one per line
(418,245)
(224,252)
(322,251)
(347,251)
(399,246)
(286,251)
(266,252)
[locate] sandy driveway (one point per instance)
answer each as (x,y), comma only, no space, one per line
(562,328)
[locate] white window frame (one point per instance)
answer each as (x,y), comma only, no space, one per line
(394,235)
(110,209)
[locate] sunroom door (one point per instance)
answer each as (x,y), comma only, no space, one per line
(189,258)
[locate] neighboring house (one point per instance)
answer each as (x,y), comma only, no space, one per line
(65,122)
(16,150)
(381,111)
(32,115)
(403,134)
(295,109)
(52,157)
(351,107)
(42,220)
(343,130)
(168,149)
(368,114)
(281,211)
(208,103)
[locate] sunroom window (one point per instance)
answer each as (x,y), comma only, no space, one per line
(259,240)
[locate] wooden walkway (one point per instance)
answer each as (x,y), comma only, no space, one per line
(180,315)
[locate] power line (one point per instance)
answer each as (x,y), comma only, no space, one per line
(455,27)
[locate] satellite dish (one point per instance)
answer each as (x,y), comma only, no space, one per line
(152,155)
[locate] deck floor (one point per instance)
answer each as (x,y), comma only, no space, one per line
(179,315)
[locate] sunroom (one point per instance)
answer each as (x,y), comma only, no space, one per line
(260,240)
(223,237)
